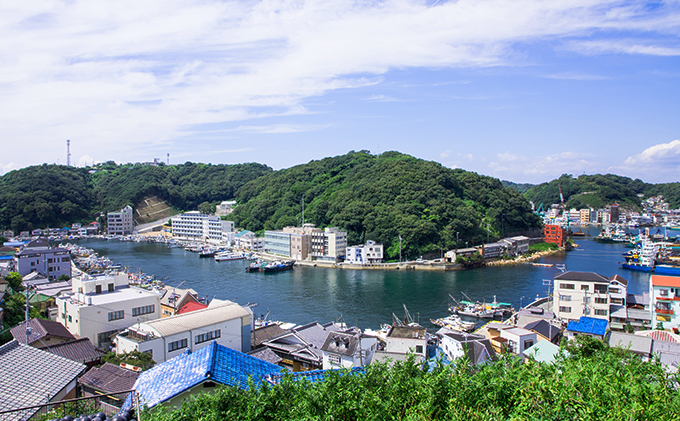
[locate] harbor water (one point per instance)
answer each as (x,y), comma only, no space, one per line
(364,298)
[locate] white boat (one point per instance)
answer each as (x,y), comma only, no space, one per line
(225,256)
(454,322)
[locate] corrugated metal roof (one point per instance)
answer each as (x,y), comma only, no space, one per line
(184,322)
(588,325)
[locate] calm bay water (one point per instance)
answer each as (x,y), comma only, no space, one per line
(365,298)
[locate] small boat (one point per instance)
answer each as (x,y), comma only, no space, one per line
(225,256)
(255,267)
(278,266)
(454,322)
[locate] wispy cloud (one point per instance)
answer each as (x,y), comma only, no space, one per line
(655,163)
(537,168)
(124,76)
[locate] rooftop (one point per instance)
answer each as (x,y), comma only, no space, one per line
(39,329)
(588,325)
(581,277)
(109,378)
(666,281)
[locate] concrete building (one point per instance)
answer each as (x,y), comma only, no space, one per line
(225,322)
(665,301)
(277,242)
(246,240)
(196,226)
(100,306)
(39,257)
(225,208)
(554,234)
(364,254)
(329,244)
(579,294)
(584,215)
(120,223)
(347,350)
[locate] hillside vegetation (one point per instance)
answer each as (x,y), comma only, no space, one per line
(384,197)
(593,382)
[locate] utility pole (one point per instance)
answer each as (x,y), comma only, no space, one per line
(28,328)
(68,152)
(400,249)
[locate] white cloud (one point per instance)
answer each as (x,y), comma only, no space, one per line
(126,77)
(658,163)
(445,154)
(624,47)
(8,167)
(510,166)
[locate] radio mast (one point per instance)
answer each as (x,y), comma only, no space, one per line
(68,153)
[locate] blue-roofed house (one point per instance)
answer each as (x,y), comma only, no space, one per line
(587,326)
(192,373)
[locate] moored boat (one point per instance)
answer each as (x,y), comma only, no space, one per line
(225,256)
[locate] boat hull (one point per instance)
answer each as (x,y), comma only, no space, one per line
(667,270)
(639,268)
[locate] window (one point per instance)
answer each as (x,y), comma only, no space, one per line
(111,287)
(116,315)
(334,359)
(105,337)
(565,297)
(614,290)
(528,343)
(69,318)
(565,309)
(174,346)
(138,311)
(600,300)
(601,288)
(599,312)
(208,336)
(98,289)
(584,287)
(663,292)
(567,286)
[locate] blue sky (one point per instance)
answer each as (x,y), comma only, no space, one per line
(520,90)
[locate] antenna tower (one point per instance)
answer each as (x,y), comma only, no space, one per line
(68,153)
(168,159)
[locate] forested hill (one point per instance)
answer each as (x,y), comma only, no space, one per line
(598,191)
(384,197)
(56,195)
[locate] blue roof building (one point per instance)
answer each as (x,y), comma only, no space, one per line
(192,373)
(587,326)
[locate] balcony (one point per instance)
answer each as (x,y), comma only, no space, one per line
(663,311)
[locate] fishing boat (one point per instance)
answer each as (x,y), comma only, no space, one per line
(278,266)
(454,322)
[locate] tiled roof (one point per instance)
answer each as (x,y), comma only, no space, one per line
(544,328)
(266,354)
(215,362)
(665,281)
(39,329)
(619,278)
(265,333)
(80,350)
(311,376)
(192,306)
(109,378)
(31,376)
(589,325)
(660,335)
(341,343)
(635,343)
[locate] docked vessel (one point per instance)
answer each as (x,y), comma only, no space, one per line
(226,256)
(454,322)
(278,266)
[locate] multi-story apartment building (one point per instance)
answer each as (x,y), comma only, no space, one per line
(577,294)
(329,244)
(554,234)
(364,254)
(100,306)
(197,226)
(584,215)
(665,301)
(38,256)
(120,223)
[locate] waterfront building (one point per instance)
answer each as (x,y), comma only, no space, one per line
(173,299)
(516,246)
(452,255)
(224,322)
(300,241)
(407,340)
(665,301)
(196,226)
(371,252)
(100,306)
(577,294)
(329,244)
(277,242)
(492,250)
(603,216)
(246,240)
(554,234)
(584,215)
(347,350)
(120,223)
(39,257)
(614,212)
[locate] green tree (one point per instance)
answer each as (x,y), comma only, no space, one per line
(206,208)
(142,360)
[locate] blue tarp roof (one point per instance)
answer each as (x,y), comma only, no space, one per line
(311,376)
(214,362)
(588,325)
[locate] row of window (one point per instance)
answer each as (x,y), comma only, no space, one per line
(598,312)
(597,288)
(116,315)
(598,300)
(138,311)
(174,346)
(208,336)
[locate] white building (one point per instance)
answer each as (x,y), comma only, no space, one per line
(120,223)
(225,322)
(225,208)
(347,350)
(199,227)
(100,306)
(407,340)
(458,344)
(246,240)
(329,244)
(364,254)
(579,294)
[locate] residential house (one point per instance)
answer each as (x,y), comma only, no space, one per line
(506,338)
(545,331)
(579,294)
(80,350)
(589,326)
(100,306)
(454,345)
(30,376)
(348,349)
(300,348)
(105,380)
(665,301)
(368,253)
(542,351)
(121,222)
(402,341)
(38,256)
(42,333)
(225,323)
(192,373)
(637,344)
(246,240)
(174,298)
(452,255)
(225,208)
